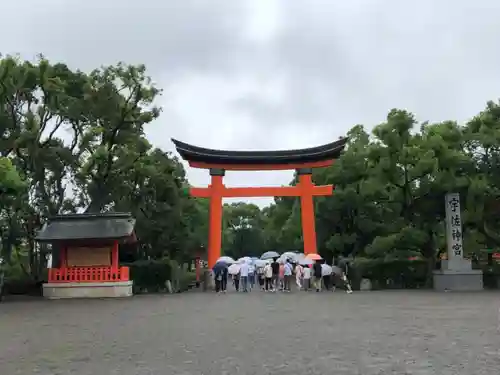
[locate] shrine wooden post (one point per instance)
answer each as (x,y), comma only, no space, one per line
(218,162)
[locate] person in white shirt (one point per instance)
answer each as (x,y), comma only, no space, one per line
(306,278)
(261,277)
(244,276)
(288,273)
(268,274)
(251,275)
(299,270)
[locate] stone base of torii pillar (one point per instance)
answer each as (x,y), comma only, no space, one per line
(457,275)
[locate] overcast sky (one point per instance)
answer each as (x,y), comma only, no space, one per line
(276,74)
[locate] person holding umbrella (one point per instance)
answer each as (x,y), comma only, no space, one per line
(306,277)
(306,264)
(218,270)
(275,266)
(234,271)
(299,274)
(251,274)
(318,275)
(343,267)
(244,270)
(268,275)
(326,272)
(224,280)
(288,272)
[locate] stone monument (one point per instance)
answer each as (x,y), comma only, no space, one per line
(456,273)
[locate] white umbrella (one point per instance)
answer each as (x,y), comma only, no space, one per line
(261,263)
(234,269)
(270,255)
(226,259)
(245,260)
(306,261)
(299,257)
(291,256)
(326,270)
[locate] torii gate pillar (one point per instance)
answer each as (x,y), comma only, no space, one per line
(215,216)
(308,220)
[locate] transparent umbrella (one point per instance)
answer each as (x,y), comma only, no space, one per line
(291,256)
(244,260)
(306,261)
(226,259)
(234,269)
(326,270)
(261,263)
(270,255)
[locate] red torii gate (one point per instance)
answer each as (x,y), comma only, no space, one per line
(219,161)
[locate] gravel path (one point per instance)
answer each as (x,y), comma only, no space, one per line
(255,333)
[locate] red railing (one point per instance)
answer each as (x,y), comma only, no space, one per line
(88,274)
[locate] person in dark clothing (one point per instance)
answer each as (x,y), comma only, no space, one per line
(218,280)
(327,280)
(224,280)
(344,266)
(236,281)
(317,275)
(276,272)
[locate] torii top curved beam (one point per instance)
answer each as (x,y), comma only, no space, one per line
(320,156)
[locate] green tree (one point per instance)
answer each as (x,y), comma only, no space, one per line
(11,188)
(482,145)
(242,230)
(349,220)
(153,191)
(39,104)
(120,101)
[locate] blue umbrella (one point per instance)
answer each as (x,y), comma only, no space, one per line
(219,266)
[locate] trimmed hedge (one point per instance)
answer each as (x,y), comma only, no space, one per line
(491,276)
(150,275)
(389,274)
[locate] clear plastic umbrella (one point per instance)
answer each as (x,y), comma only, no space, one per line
(261,263)
(270,255)
(306,261)
(234,269)
(245,260)
(290,256)
(326,270)
(226,259)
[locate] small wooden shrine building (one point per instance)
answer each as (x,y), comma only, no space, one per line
(85,259)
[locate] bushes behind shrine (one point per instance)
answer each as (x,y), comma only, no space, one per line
(389,274)
(150,275)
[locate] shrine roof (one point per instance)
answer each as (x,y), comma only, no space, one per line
(192,153)
(87,226)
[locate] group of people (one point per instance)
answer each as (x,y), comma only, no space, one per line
(276,276)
